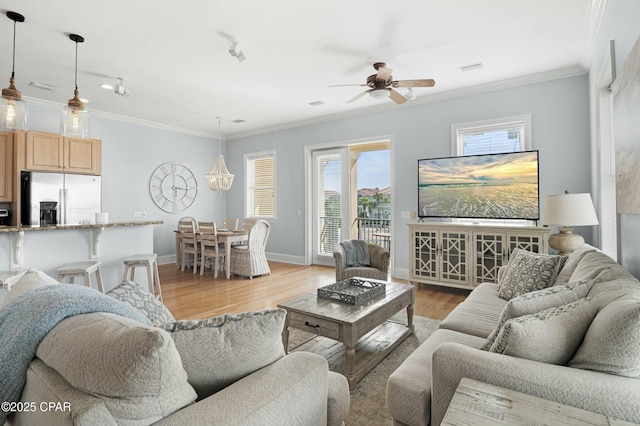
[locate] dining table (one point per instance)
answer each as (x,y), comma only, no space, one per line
(225,236)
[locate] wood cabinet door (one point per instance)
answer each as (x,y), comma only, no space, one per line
(454,256)
(490,254)
(44,152)
(82,156)
(6,166)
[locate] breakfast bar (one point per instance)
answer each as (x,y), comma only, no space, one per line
(48,248)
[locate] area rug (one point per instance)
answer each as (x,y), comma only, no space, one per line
(368,405)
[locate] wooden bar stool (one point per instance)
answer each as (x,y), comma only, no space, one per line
(149,261)
(84,270)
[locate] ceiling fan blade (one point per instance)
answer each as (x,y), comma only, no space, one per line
(397,97)
(345,85)
(414,83)
(384,73)
(355,98)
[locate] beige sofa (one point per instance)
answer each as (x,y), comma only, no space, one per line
(602,375)
(101,368)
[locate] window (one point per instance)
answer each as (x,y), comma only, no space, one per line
(261,184)
(509,134)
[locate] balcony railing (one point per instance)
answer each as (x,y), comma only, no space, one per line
(375,231)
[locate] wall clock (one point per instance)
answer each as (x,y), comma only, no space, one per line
(173,187)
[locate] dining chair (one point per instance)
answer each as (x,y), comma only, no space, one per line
(230,223)
(186,220)
(209,248)
(250,260)
(189,246)
(207,227)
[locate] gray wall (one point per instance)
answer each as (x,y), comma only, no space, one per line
(619,24)
(130,154)
(560,120)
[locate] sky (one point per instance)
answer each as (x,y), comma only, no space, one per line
(374,169)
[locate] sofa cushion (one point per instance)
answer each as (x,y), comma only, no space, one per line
(135,369)
(143,301)
(612,342)
(409,386)
(527,271)
(564,276)
(551,336)
(478,314)
(536,301)
(592,266)
(221,350)
(31,279)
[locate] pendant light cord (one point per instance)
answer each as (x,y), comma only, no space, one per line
(76,72)
(219,137)
(13,65)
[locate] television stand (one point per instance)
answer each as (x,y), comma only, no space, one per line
(464,255)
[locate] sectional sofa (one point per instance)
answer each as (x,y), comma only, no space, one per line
(563,329)
(71,355)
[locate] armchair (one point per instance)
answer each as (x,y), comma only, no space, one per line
(378,269)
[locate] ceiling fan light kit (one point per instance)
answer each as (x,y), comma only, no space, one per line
(219,178)
(74,118)
(382,85)
(13,110)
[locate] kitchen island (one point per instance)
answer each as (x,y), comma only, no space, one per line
(50,247)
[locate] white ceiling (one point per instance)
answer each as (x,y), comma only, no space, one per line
(175,61)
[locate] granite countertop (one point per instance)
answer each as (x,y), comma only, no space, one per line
(89,226)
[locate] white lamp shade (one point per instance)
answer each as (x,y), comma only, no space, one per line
(13,114)
(569,210)
(75,123)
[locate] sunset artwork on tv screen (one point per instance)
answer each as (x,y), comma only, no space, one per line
(493,186)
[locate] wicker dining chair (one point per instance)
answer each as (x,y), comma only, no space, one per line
(250,260)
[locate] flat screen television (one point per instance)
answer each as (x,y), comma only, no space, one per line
(491,186)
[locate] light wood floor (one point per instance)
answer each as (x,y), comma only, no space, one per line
(190,296)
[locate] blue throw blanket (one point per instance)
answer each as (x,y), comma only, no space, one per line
(356,253)
(27,319)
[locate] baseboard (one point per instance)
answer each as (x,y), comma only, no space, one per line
(402,273)
(276,257)
(164,260)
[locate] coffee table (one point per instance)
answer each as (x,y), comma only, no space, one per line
(363,329)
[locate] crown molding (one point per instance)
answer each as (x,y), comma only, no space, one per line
(595,14)
(556,74)
(126,119)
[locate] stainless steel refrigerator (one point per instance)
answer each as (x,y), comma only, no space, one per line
(59,199)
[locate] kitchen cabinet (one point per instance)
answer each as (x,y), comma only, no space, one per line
(49,152)
(464,255)
(6,166)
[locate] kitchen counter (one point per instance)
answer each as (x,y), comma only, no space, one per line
(47,248)
(89,226)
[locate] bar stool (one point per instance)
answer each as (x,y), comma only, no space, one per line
(149,261)
(82,269)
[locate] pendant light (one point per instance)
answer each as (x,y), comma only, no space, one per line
(219,178)
(13,110)
(74,119)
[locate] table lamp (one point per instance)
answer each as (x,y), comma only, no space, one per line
(567,210)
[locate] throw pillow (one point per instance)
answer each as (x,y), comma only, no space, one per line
(551,336)
(143,301)
(221,350)
(612,343)
(134,368)
(527,271)
(536,301)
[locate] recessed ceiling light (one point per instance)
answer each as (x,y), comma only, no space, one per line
(239,120)
(316,103)
(106,86)
(43,86)
(471,67)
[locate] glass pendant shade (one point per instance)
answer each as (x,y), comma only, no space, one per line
(74,118)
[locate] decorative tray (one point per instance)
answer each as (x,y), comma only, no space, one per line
(354,291)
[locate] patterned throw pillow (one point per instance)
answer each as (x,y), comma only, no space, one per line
(218,351)
(143,301)
(612,343)
(527,271)
(551,336)
(536,301)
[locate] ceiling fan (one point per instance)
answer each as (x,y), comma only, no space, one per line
(382,85)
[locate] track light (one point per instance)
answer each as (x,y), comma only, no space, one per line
(236,50)
(120,89)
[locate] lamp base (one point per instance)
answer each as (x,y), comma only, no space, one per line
(565,241)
